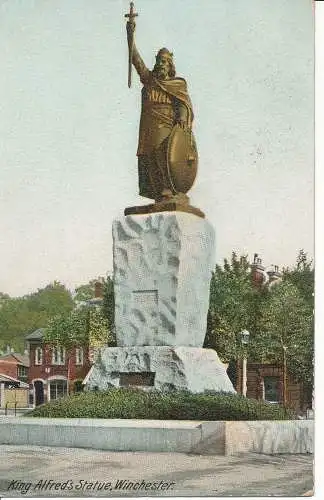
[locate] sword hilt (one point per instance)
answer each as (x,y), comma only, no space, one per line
(130,36)
(131,15)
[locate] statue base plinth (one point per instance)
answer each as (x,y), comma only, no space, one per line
(163,368)
(164,206)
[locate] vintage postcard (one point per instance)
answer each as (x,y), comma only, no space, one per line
(157,278)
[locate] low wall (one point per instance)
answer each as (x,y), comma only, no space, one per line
(261,436)
(219,438)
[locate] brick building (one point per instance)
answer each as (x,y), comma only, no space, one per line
(13,380)
(54,372)
(15,366)
(265,381)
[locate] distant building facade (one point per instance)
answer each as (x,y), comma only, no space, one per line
(15,365)
(13,380)
(54,372)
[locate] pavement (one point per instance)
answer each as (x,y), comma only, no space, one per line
(38,471)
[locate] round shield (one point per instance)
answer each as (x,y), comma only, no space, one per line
(182,159)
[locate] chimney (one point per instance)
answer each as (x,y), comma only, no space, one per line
(98,292)
(257,269)
(274,274)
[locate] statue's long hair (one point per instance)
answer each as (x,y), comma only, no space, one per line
(172,70)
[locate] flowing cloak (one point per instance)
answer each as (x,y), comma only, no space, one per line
(162,103)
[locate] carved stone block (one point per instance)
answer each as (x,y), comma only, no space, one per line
(162,270)
(162,368)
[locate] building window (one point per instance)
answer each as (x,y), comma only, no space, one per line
(79,356)
(22,373)
(271,389)
(58,355)
(38,356)
(58,389)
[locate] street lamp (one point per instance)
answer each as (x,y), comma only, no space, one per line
(245,337)
(284,375)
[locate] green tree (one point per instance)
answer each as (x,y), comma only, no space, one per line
(302,276)
(53,299)
(87,291)
(3,298)
(21,315)
(81,327)
(234,306)
(286,323)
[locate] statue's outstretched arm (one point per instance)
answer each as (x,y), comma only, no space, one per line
(138,62)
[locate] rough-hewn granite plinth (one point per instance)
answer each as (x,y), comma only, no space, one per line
(162,270)
(162,368)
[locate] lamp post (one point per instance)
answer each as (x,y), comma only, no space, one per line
(245,336)
(284,375)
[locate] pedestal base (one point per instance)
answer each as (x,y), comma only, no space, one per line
(162,368)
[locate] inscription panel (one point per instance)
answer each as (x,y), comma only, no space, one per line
(142,379)
(146,298)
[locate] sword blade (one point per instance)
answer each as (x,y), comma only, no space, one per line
(130,61)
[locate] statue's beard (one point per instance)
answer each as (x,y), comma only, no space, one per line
(161,72)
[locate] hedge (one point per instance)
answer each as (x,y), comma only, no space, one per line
(132,403)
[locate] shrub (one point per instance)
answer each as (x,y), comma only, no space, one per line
(132,403)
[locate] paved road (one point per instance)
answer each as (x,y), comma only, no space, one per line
(38,470)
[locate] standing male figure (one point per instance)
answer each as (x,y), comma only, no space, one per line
(165,103)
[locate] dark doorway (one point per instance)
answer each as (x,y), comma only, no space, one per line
(39,392)
(78,386)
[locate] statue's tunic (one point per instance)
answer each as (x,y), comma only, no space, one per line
(163,103)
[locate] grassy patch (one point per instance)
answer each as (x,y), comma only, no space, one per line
(130,403)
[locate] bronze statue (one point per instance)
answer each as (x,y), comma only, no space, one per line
(167,153)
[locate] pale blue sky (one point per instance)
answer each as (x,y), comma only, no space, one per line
(68,127)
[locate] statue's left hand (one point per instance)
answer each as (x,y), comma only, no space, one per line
(182,123)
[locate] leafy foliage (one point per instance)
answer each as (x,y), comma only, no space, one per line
(234,306)
(82,326)
(130,403)
(22,315)
(302,276)
(85,292)
(87,324)
(286,324)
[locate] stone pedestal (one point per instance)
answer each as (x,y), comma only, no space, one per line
(162,368)
(162,269)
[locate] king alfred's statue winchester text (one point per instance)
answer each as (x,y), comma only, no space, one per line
(167,153)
